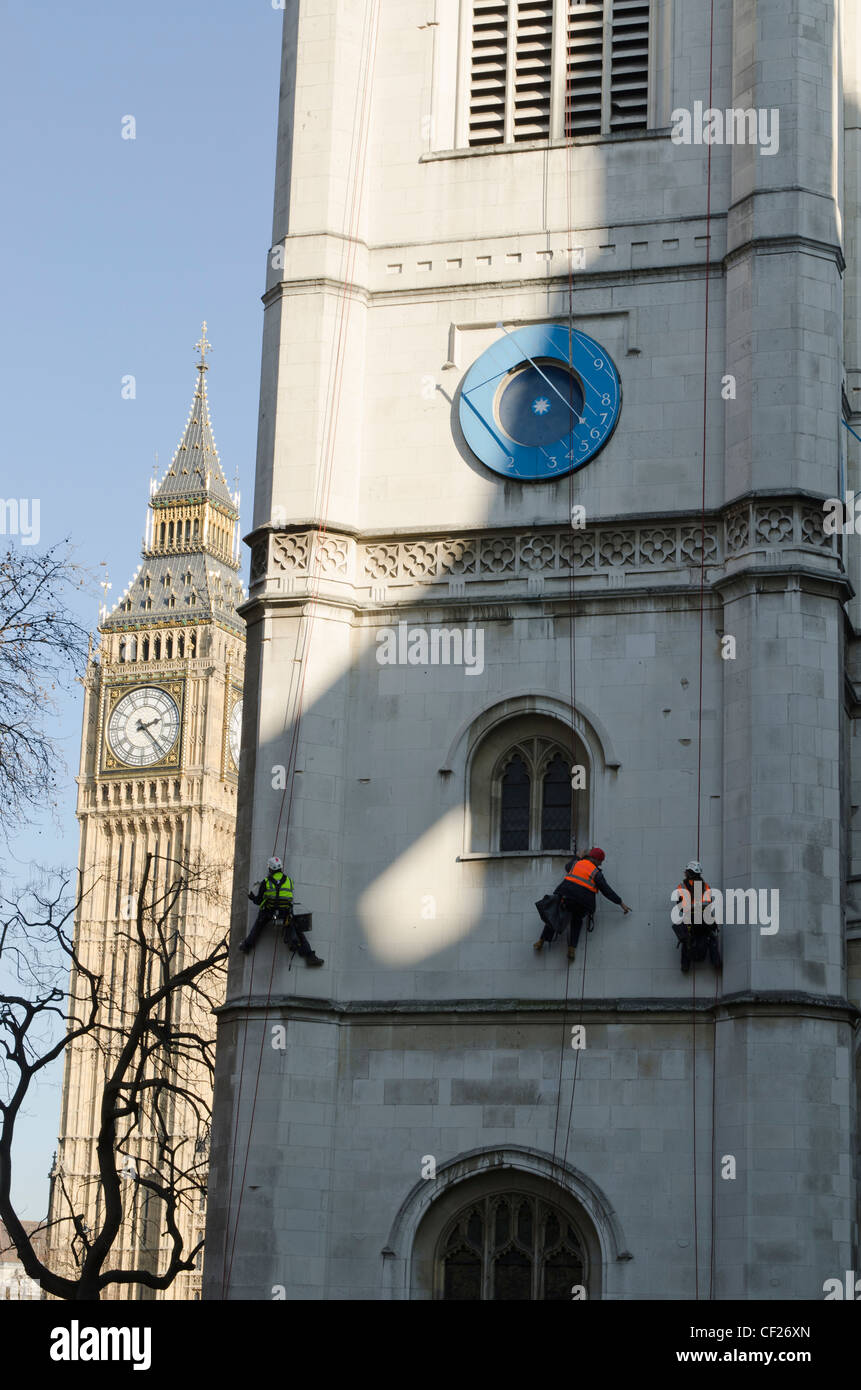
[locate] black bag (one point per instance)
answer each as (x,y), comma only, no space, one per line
(302,921)
(552,913)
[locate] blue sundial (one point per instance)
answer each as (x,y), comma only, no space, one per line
(528,410)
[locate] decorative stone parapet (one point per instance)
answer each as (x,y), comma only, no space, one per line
(605,547)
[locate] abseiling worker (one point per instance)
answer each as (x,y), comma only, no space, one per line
(578,893)
(693,925)
(274,897)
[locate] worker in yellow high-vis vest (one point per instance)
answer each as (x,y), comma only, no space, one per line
(578,892)
(274,897)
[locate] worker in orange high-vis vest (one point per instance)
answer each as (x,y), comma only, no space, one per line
(696,931)
(578,892)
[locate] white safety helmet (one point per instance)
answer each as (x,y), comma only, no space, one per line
(275,866)
(695,867)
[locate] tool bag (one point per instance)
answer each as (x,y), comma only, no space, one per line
(552,913)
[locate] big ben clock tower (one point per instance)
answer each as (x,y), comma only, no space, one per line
(159,760)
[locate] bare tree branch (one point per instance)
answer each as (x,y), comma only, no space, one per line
(41,647)
(155,1041)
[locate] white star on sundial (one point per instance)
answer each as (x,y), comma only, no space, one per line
(540,405)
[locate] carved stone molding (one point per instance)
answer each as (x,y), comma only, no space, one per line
(290,553)
(610,548)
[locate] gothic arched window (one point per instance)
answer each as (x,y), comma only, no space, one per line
(521,797)
(532,795)
(511,1246)
(180,645)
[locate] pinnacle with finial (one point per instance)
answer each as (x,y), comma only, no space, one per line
(203,346)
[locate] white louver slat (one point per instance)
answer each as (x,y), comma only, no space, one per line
(533,69)
(488,72)
(513,94)
(629,78)
(585,66)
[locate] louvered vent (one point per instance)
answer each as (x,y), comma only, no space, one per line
(533,64)
(487,78)
(584,68)
(629,90)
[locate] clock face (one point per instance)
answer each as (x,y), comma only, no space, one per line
(234,732)
(540,402)
(144,726)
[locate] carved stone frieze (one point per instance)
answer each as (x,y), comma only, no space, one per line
(552,552)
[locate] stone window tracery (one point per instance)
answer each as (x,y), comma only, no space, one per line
(510,1246)
(534,797)
(523,796)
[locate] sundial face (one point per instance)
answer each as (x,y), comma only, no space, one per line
(540,403)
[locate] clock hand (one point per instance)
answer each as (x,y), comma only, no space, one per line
(577,417)
(483,420)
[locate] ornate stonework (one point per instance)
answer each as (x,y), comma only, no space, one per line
(667,545)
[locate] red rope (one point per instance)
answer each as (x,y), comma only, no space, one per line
(569,152)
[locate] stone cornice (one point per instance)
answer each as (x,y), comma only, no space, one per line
(773,1003)
(768,245)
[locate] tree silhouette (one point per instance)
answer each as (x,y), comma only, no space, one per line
(146,1031)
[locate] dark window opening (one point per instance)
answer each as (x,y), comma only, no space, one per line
(514,825)
(556,806)
(511,1248)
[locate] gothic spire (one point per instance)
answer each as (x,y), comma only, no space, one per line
(191,549)
(195,469)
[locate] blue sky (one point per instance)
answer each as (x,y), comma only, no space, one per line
(114,251)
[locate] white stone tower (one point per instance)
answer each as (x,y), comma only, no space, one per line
(461,188)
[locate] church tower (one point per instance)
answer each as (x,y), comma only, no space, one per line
(158,773)
(561,333)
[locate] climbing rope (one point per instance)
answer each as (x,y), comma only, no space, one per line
(294,709)
(572,632)
(700,711)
